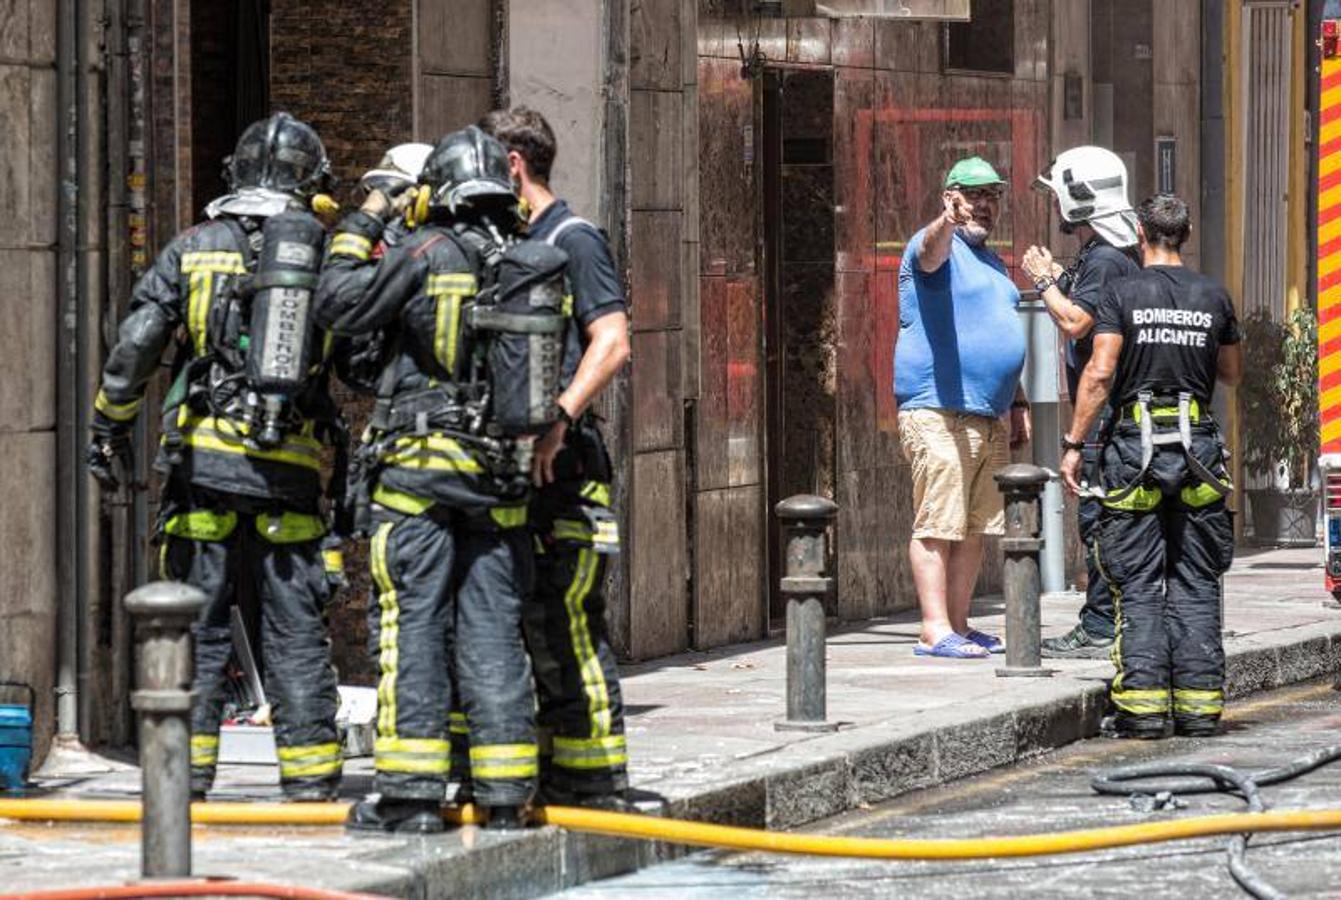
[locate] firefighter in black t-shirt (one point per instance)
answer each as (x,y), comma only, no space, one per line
(1089,185)
(1162,339)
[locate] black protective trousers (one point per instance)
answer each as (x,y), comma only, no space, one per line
(1163,550)
(226,548)
(581,711)
(448,607)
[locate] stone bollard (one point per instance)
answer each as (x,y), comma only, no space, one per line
(1022,484)
(163,613)
(806,520)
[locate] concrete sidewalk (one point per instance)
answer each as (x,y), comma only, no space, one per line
(701,737)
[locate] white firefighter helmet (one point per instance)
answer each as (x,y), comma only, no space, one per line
(1091,187)
(399,169)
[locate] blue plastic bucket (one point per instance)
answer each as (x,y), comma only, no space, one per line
(16,739)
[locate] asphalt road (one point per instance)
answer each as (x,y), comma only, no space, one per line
(1050,794)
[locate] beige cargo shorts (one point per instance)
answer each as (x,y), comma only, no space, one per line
(954,456)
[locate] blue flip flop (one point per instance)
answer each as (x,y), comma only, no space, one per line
(952,646)
(989,642)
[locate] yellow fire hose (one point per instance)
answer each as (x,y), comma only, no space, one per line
(700,834)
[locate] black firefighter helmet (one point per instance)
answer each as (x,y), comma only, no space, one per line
(468,168)
(282,154)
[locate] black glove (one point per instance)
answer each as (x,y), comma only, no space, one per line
(109,457)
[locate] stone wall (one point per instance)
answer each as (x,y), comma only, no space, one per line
(28,346)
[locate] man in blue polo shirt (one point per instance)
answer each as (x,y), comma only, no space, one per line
(957,367)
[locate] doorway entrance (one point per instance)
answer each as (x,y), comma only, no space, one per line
(800,321)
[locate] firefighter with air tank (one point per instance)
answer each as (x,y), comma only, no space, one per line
(244,426)
(1164,536)
(472,319)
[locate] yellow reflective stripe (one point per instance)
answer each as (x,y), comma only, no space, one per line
(290,527)
(1142,702)
(431,452)
(584,651)
(1206,703)
(568,305)
(1142,499)
(456,723)
(225,262)
(591,753)
(312,769)
(307,752)
(449,289)
(334,560)
(204,749)
(163,561)
(411,765)
(200,293)
(1167,412)
(505,761)
(388,656)
(597,492)
(486,752)
(1114,652)
(309,760)
(1201,495)
(118,412)
(508,516)
(224,436)
(201,266)
(409,745)
(450,283)
(356,245)
(448,322)
(416,756)
(571,530)
(201,525)
(400,501)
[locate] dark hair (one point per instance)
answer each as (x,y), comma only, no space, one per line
(1165,220)
(525,131)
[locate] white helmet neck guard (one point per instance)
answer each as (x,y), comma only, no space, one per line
(1091,188)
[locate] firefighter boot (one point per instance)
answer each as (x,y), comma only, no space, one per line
(395,815)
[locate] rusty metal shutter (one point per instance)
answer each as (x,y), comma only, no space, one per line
(1266,100)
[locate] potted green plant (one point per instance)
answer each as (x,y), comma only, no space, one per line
(1278,404)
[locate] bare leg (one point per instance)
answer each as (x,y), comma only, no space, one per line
(965,561)
(930,558)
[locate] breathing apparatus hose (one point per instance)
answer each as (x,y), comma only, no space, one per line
(700,834)
(1198,778)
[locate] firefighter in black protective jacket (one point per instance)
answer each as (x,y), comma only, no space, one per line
(1089,185)
(240,510)
(448,476)
(1165,532)
(583,753)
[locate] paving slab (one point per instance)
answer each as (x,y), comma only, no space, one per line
(703,746)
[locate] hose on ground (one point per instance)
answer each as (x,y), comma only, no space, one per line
(1198,778)
(729,837)
(193,887)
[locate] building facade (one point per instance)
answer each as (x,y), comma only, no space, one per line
(758,168)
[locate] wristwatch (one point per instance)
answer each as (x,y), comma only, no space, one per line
(564,417)
(1068,444)
(1042,284)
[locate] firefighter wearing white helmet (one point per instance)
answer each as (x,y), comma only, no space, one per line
(394,177)
(1090,184)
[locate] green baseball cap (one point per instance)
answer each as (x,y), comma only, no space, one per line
(972,172)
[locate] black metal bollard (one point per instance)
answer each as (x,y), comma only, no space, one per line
(1022,484)
(163,612)
(806,585)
